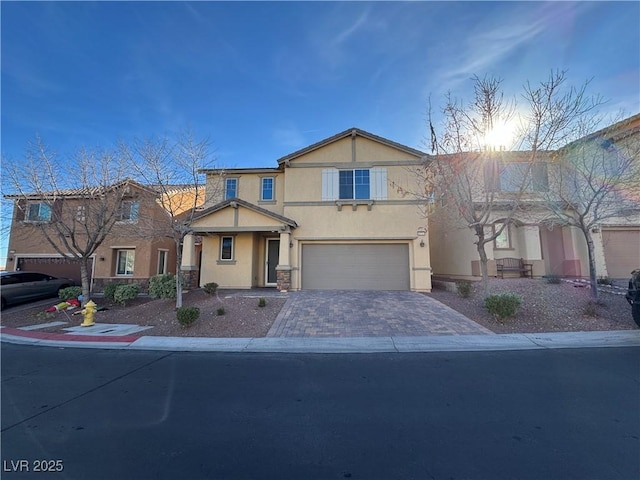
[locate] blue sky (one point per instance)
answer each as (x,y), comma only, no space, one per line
(264,79)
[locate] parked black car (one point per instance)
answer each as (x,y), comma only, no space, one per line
(633,295)
(18,287)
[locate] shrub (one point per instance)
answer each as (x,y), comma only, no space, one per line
(69,292)
(503,305)
(221,311)
(187,315)
(210,288)
(554,279)
(605,281)
(464,288)
(110,290)
(163,286)
(262,302)
(126,292)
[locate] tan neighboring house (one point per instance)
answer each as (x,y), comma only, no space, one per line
(551,248)
(138,247)
(325,218)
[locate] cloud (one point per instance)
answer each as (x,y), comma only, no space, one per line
(289,136)
(492,43)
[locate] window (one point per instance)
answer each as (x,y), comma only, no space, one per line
(354,184)
(129,211)
(226,248)
(511,177)
(230,188)
(360,184)
(502,241)
(125,261)
(162,261)
(39,212)
(267,188)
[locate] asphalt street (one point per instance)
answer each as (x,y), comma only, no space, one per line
(532,414)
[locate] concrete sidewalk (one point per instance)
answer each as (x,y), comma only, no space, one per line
(399,344)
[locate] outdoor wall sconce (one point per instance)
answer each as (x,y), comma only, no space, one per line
(421,243)
(290,244)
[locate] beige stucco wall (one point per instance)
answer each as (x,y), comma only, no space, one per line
(249,189)
(238,273)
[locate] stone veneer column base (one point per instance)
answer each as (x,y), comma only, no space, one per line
(190,278)
(283,279)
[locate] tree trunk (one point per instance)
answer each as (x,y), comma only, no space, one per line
(483,260)
(178,274)
(592,265)
(85,279)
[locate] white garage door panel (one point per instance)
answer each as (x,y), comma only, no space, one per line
(355,267)
(621,251)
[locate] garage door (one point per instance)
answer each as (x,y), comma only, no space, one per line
(355,267)
(621,251)
(55,266)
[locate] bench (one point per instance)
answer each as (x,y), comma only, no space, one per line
(515,265)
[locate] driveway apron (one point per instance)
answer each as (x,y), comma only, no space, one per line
(340,313)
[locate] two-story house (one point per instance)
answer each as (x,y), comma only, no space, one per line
(137,247)
(324,218)
(532,234)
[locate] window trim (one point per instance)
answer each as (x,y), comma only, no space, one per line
(164,251)
(507,232)
(118,253)
(39,219)
(237,182)
(273,188)
(131,203)
(233,249)
(354,184)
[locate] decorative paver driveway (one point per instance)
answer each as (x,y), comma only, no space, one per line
(339,313)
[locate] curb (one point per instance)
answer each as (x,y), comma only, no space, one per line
(449,343)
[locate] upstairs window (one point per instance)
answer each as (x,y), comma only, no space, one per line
(81,214)
(38,212)
(230,188)
(357,184)
(129,211)
(511,177)
(354,184)
(267,189)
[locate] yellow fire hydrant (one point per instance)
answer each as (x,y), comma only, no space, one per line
(88,312)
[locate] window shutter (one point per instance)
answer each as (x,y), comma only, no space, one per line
(378,181)
(330,184)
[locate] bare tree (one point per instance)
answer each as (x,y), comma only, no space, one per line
(71,204)
(172,167)
(470,179)
(593,180)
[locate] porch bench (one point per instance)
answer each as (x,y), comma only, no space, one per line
(515,265)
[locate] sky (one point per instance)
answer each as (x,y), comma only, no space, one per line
(261,80)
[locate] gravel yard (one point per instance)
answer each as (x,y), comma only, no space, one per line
(546,308)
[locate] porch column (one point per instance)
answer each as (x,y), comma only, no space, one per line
(188,267)
(283,270)
(532,249)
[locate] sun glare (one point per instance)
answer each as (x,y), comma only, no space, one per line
(501,137)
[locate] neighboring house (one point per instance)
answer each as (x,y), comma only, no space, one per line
(138,247)
(551,248)
(325,218)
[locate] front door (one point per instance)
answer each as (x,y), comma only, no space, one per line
(273,258)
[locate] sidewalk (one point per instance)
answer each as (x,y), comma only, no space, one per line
(449,343)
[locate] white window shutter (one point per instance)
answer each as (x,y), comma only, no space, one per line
(330,184)
(378,179)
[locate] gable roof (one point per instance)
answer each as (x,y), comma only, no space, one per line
(233,202)
(348,133)
(84,192)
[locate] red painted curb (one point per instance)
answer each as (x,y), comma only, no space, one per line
(66,337)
